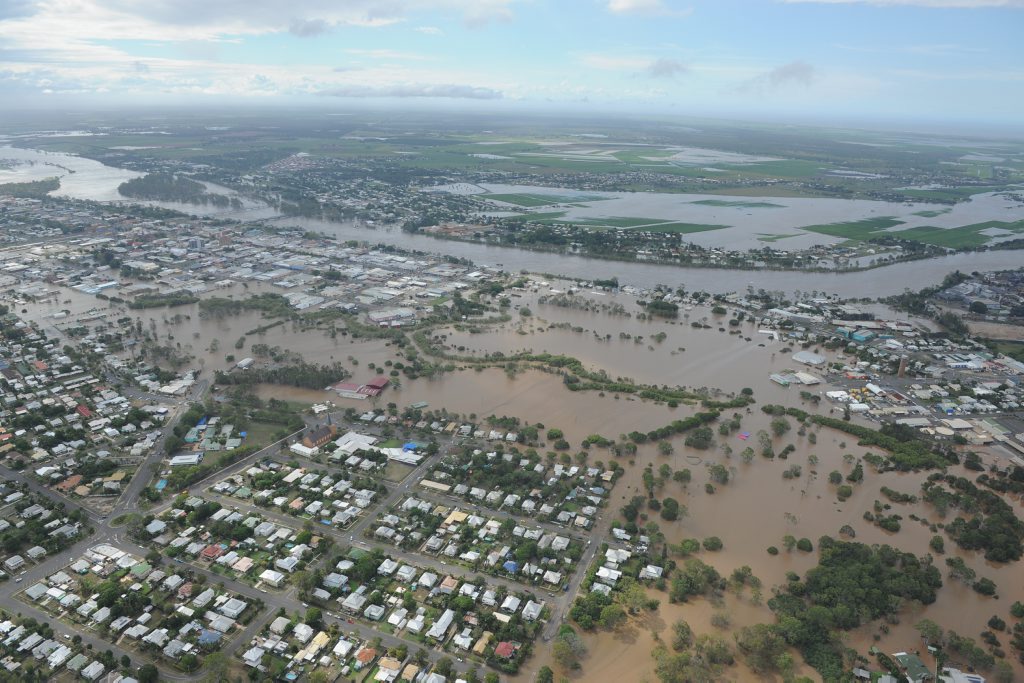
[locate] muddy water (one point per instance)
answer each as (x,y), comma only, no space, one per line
(96,181)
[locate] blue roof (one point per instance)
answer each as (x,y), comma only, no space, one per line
(511,566)
(411,446)
(208,637)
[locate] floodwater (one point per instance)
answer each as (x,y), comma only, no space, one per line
(755,509)
(80,178)
(94,180)
(749,218)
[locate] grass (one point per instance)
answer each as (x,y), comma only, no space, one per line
(685,228)
(769,237)
(966,236)
(785,168)
(529,200)
(741,204)
(538,217)
(931,213)
(855,230)
(396,471)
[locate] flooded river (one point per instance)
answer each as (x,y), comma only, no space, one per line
(93,180)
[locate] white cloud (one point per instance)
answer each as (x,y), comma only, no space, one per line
(429,30)
(648,7)
(445,90)
(952,4)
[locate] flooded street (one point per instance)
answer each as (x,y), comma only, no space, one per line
(755,509)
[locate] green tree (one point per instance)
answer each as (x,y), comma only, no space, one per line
(148,674)
(545,675)
(682,636)
(568,649)
(612,616)
(761,645)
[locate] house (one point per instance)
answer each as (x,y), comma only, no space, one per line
(505,650)
(93,671)
(14,562)
(254,656)
(274,578)
(532,610)
(439,629)
(233,608)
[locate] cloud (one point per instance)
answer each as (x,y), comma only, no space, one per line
(666,68)
(948,4)
(382,53)
(307,28)
(454,91)
(793,73)
(648,7)
(429,30)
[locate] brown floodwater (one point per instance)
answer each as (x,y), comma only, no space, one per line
(755,509)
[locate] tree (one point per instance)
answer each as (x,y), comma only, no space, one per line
(664,448)
(930,631)
(761,645)
(713,543)
(216,665)
(979,307)
(568,649)
(780,426)
(545,675)
(804,544)
(633,597)
(612,616)
(959,570)
(682,636)
(148,674)
(718,473)
(789,542)
(314,616)
(444,666)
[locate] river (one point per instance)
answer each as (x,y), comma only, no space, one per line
(94,180)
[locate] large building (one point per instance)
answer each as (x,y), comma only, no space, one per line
(318,436)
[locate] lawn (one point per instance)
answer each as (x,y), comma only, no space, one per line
(931,213)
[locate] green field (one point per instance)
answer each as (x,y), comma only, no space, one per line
(965,236)
(931,213)
(685,228)
(855,230)
(739,204)
(528,200)
(769,237)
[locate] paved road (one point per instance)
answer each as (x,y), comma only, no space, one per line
(128,502)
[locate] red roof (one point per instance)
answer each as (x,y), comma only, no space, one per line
(69,483)
(212,551)
(378,382)
(505,649)
(83,411)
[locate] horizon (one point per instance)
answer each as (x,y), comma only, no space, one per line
(812,62)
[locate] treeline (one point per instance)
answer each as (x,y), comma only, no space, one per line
(273,305)
(171,188)
(906,451)
(852,583)
(161,300)
(992,527)
(304,375)
(35,189)
(674,427)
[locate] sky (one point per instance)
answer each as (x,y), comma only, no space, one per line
(957,60)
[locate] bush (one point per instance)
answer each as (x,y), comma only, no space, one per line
(805,545)
(713,543)
(772,550)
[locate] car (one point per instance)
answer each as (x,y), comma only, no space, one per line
(18,580)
